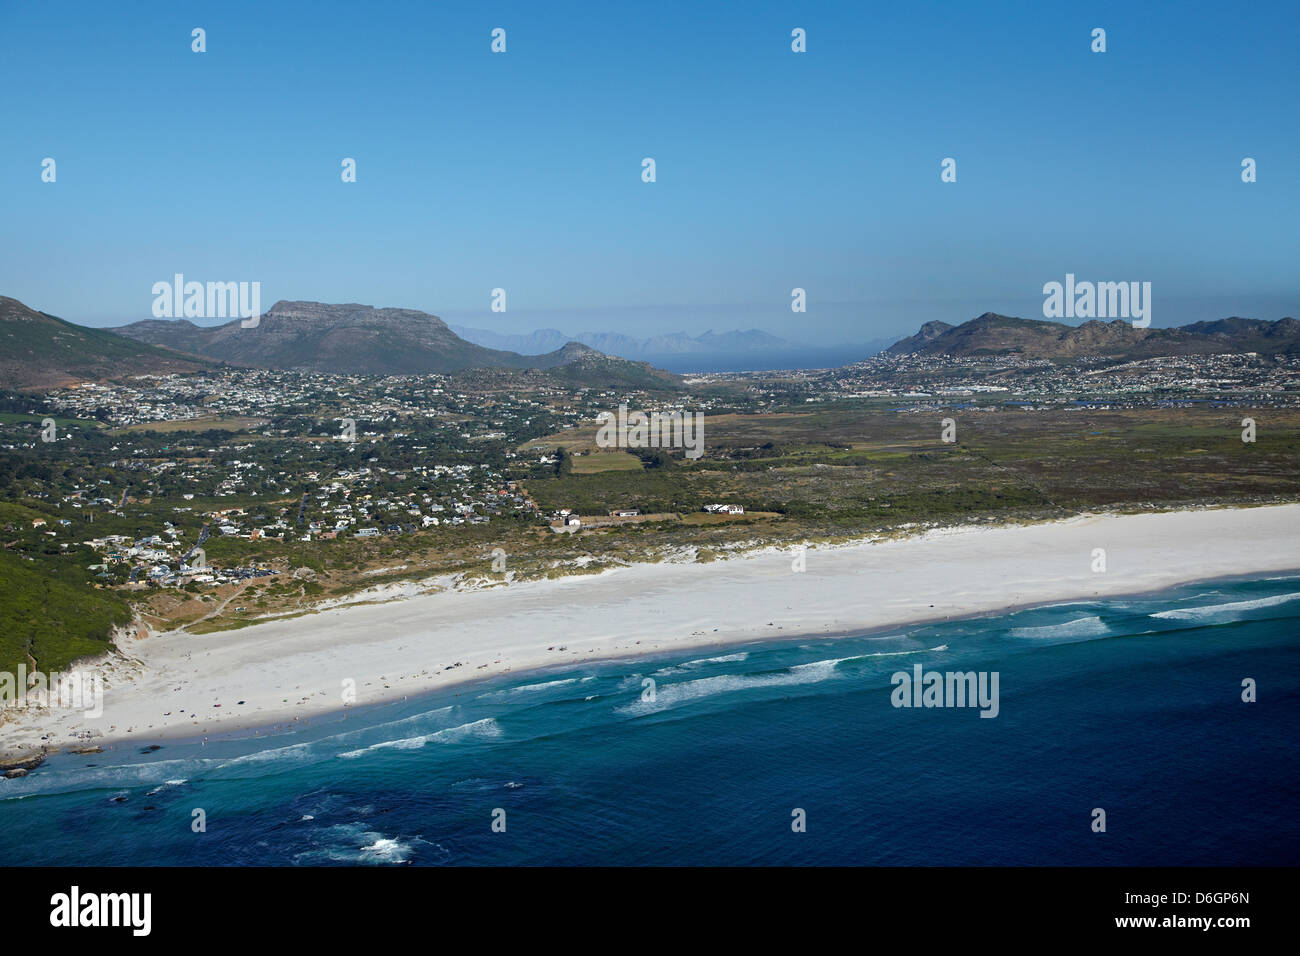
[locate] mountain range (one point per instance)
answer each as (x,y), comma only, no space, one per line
(355,339)
(993,334)
(350,339)
(40,351)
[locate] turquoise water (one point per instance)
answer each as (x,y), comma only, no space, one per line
(1132,706)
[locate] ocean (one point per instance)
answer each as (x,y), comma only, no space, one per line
(786,752)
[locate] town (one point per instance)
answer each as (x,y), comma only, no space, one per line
(232,479)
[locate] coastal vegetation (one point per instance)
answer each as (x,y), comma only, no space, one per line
(447,472)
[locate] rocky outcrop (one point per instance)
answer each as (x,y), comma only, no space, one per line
(993,334)
(20,764)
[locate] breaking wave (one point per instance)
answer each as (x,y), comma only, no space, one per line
(1080,627)
(1211,611)
(477,729)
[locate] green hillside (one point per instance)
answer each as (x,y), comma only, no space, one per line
(40,351)
(50,617)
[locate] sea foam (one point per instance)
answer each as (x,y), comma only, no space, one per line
(1210,611)
(1079,627)
(485,728)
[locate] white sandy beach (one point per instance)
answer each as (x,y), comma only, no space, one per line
(296,668)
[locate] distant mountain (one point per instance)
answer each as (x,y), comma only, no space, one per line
(583,366)
(626,346)
(711,352)
(39,351)
(992,334)
(534,343)
(346,339)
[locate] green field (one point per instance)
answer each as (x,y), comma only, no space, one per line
(844,472)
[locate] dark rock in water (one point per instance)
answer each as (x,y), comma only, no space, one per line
(87,750)
(28,762)
(118,799)
(150,749)
(16,772)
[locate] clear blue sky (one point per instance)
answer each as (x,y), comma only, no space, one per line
(775,169)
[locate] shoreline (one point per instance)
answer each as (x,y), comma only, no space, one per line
(469,681)
(265,676)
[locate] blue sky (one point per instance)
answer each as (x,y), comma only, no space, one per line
(775,170)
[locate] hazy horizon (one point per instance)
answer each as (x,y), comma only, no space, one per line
(885,321)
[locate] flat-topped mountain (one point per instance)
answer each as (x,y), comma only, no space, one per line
(40,351)
(348,339)
(992,334)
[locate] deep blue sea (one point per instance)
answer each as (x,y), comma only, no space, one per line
(1133,706)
